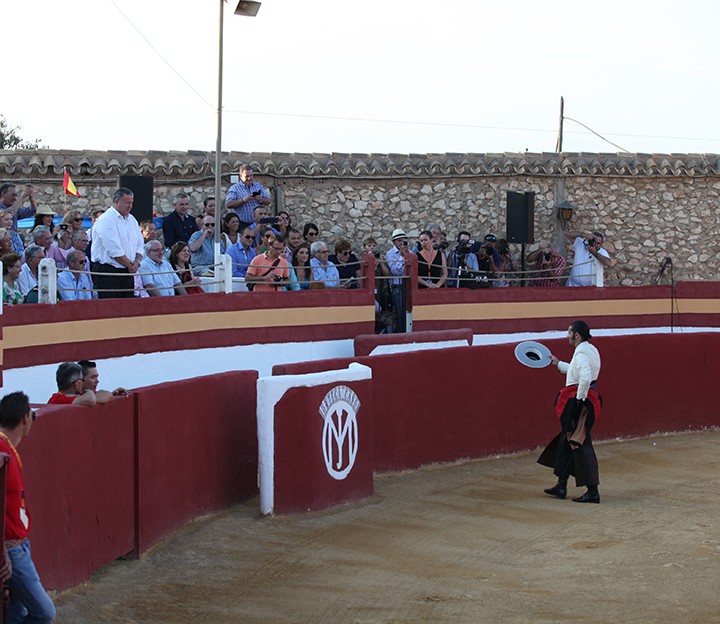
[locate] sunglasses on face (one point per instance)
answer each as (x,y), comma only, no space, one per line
(78,219)
(209,225)
(248,237)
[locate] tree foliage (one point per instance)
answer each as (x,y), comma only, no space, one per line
(10,139)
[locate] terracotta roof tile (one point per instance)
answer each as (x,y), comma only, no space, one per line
(198,163)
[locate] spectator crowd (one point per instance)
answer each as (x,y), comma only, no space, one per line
(121,258)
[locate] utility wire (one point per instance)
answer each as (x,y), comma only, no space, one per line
(395,121)
(387,121)
(164,60)
(622,149)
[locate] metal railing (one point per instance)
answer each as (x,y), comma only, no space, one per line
(222,277)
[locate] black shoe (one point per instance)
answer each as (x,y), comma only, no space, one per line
(587,498)
(556,490)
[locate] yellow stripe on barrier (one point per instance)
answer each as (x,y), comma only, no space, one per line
(17,337)
(544,309)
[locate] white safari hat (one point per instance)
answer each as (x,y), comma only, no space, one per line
(398,233)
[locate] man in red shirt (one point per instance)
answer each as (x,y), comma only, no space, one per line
(269,272)
(29,602)
(69,379)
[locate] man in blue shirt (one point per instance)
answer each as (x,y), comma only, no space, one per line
(246,195)
(202,246)
(74,284)
(158,276)
(323,270)
(242,253)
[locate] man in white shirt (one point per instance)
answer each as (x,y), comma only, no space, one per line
(588,250)
(117,248)
(578,404)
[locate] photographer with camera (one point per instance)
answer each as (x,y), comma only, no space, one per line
(462,261)
(269,272)
(549,266)
(507,268)
(244,196)
(432,265)
(588,251)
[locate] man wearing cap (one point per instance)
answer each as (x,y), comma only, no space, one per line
(246,195)
(396,258)
(577,405)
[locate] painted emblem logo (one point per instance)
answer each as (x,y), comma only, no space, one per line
(339,410)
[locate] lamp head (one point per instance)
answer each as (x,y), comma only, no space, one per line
(248,8)
(565,210)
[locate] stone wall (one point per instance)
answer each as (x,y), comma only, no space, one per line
(648,206)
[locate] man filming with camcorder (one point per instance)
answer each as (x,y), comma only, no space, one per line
(588,250)
(462,261)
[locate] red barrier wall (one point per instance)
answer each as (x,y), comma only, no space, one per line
(302,482)
(78,464)
(365,343)
(196,450)
(445,404)
(43,333)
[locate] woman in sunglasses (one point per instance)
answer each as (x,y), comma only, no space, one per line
(310,233)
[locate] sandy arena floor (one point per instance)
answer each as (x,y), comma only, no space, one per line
(465,543)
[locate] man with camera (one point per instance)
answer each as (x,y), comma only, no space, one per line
(549,266)
(246,195)
(588,252)
(269,272)
(462,261)
(261,222)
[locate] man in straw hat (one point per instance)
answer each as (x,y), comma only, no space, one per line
(577,405)
(396,258)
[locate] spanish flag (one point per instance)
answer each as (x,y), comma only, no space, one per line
(69,185)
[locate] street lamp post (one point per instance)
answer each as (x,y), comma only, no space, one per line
(247,8)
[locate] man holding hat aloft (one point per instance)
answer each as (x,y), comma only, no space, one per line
(577,405)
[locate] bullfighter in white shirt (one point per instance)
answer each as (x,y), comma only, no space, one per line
(578,404)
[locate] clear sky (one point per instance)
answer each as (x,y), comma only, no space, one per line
(397,76)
